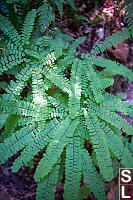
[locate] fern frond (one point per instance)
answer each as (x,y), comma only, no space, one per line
(14,50)
(36,144)
(116,145)
(56,146)
(16,142)
(4,9)
(83,192)
(9,62)
(113,103)
(17,107)
(3,85)
(110,41)
(38,87)
(59,108)
(57,79)
(47,187)
(59,3)
(66,62)
(71,3)
(73,168)
(9,30)
(8,10)
(97,84)
(58,113)
(75,44)
(113,118)
(112,68)
(46,16)
(92,179)
(128,5)
(16,87)
(56,103)
(28,25)
(25,121)
(100,145)
(75,92)
(39,97)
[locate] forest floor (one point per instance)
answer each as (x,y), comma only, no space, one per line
(106,18)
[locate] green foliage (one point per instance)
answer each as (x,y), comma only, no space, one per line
(16,10)
(128,5)
(59,4)
(92,179)
(46,16)
(46,189)
(73,166)
(60,113)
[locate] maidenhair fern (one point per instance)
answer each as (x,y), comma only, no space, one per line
(59,114)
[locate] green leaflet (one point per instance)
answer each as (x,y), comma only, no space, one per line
(100,145)
(114,103)
(113,118)
(16,87)
(3,117)
(112,67)
(39,97)
(3,85)
(9,30)
(91,177)
(117,146)
(37,143)
(47,187)
(11,61)
(56,146)
(72,3)
(97,84)
(75,92)
(128,6)
(73,168)
(28,25)
(84,191)
(59,5)
(46,16)
(10,125)
(25,121)
(57,79)
(110,41)
(38,87)
(58,112)
(62,168)
(17,107)
(16,142)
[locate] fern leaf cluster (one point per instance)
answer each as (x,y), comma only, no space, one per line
(59,114)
